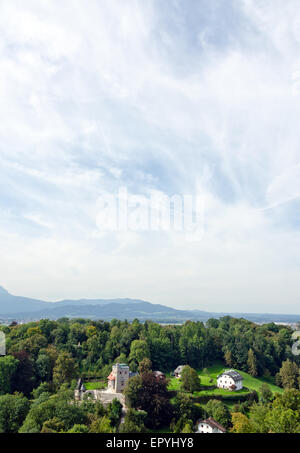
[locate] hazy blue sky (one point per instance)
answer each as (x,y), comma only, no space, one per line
(178,97)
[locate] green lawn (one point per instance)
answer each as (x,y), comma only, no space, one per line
(212,372)
(255,383)
(99,385)
(174,384)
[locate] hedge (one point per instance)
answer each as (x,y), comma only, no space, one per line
(251,396)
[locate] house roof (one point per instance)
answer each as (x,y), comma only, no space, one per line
(79,384)
(233,374)
(159,374)
(121,365)
(213,424)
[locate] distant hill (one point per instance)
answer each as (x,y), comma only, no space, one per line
(142,311)
(10,304)
(25,309)
(82,302)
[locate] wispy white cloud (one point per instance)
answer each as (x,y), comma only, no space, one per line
(193,97)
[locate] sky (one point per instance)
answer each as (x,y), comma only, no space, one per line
(191,97)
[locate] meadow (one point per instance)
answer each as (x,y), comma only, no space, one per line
(208,377)
(97,385)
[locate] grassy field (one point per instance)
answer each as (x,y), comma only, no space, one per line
(211,373)
(99,385)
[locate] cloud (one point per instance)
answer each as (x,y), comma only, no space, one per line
(180,99)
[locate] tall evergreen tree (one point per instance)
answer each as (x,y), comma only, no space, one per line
(228,358)
(289,374)
(252,363)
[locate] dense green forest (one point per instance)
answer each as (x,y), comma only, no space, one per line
(44,359)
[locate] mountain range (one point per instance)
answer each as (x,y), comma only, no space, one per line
(25,309)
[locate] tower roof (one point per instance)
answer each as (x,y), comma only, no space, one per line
(111,377)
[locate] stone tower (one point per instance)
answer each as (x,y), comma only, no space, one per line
(118,377)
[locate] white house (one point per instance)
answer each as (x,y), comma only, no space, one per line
(209,426)
(178,371)
(159,375)
(230,380)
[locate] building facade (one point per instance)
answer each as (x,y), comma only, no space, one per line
(178,371)
(118,377)
(159,375)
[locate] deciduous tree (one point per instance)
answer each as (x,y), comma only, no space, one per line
(8,368)
(241,423)
(190,381)
(65,369)
(13,411)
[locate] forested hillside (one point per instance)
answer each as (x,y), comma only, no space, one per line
(37,376)
(95,344)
